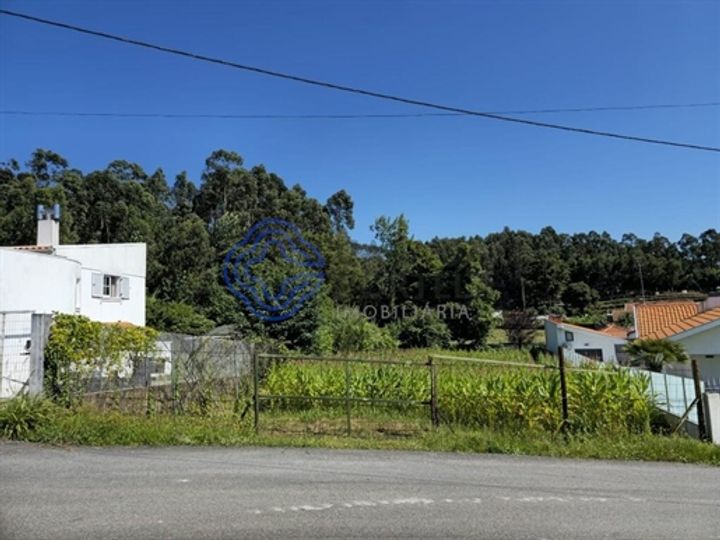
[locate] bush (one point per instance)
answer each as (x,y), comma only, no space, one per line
(344,329)
(20,416)
(78,348)
(423,329)
(176,317)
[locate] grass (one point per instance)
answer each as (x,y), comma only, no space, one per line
(498,336)
(88,426)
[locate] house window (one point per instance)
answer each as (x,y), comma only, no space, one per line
(569,336)
(111,286)
(594,354)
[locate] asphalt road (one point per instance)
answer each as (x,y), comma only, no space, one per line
(293,493)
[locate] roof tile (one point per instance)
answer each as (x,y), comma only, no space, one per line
(654,317)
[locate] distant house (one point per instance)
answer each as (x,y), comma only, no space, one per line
(695,325)
(604,345)
(105,282)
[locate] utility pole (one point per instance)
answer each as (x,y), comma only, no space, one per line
(642,282)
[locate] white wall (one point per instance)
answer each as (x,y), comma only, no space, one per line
(551,336)
(700,345)
(125,260)
(37,282)
(704,342)
(583,339)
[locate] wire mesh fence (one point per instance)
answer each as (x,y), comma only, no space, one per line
(15,345)
(184,374)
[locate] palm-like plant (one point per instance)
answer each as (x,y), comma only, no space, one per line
(653,354)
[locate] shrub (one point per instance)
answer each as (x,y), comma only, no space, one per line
(423,329)
(78,348)
(21,415)
(344,329)
(176,317)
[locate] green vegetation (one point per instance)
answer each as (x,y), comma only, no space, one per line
(189,224)
(78,347)
(479,395)
(653,354)
(87,426)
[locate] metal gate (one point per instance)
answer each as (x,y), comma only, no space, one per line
(15,345)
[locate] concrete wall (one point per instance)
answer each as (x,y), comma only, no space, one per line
(124,260)
(583,339)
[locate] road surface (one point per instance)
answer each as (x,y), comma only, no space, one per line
(221,493)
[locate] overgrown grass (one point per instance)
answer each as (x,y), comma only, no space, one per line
(87,426)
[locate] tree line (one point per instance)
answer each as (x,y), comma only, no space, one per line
(440,292)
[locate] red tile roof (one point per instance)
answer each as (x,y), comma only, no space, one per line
(686,324)
(653,318)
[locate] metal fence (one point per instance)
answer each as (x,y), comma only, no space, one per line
(674,394)
(262,364)
(183,374)
(15,346)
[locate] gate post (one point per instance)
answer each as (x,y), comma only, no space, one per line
(434,416)
(256,384)
(39,334)
(563,390)
(698,396)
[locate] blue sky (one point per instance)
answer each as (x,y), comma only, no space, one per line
(449,176)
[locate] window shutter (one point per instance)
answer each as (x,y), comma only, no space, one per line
(97,285)
(124,288)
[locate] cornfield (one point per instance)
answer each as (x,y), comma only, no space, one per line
(498,397)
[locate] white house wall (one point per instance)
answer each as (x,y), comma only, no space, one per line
(37,282)
(583,339)
(124,260)
(700,346)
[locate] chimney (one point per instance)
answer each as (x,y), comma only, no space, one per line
(48,225)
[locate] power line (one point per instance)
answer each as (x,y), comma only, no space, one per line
(342,116)
(349,89)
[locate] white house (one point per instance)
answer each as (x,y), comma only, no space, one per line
(604,345)
(105,282)
(695,325)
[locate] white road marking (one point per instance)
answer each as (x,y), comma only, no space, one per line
(365,503)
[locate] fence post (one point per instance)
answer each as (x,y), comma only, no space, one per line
(698,396)
(236,377)
(256,403)
(147,387)
(434,416)
(563,391)
(39,334)
(668,403)
(347,397)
